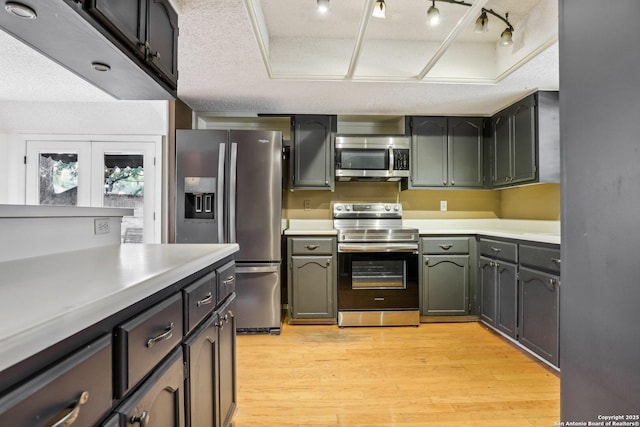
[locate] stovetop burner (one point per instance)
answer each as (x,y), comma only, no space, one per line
(371,222)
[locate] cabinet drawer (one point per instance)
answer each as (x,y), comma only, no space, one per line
(542,258)
(82,381)
(319,246)
(144,340)
(199,299)
(226,280)
(496,249)
(442,245)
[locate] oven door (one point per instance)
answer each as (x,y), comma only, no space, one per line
(375,277)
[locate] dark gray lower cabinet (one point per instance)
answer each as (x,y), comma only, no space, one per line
(488,292)
(539,305)
(445,284)
(313,287)
(499,299)
(201,358)
(79,386)
(227,357)
(159,401)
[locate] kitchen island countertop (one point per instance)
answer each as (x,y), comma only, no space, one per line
(46,299)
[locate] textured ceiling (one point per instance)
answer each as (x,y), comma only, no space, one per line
(222,70)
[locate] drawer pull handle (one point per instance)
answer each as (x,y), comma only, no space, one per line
(446,247)
(229,280)
(166,335)
(142,419)
(71,414)
(494,249)
(312,247)
(556,260)
(206,300)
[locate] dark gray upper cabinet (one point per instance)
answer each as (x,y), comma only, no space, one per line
(446,152)
(148,27)
(526,142)
(312,155)
(81,36)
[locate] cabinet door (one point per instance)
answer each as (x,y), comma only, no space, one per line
(488,291)
(524,141)
(539,298)
(201,358)
(313,287)
(507,298)
(445,284)
(429,152)
(465,152)
(160,399)
(227,357)
(312,152)
(501,149)
(125,17)
(162,38)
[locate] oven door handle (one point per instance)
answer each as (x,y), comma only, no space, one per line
(378,247)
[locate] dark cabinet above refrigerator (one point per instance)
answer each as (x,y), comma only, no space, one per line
(101,47)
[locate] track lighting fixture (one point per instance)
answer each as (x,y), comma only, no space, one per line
(322,6)
(380,10)
(482,23)
(433,14)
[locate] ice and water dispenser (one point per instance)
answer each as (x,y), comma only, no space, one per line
(199,198)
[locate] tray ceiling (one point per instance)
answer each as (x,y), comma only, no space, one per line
(297,42)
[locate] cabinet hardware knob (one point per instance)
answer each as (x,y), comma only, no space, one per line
(206,300)
(165,335)
(229,280)
(70,415)
(312,247)
(142,419)
(494,249)
(453,182)
(556,260)
(326,183)
(155,55)
(329,262)
(446,247)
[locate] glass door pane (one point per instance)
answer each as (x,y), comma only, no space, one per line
(124,188)
(124,176)
(58,183)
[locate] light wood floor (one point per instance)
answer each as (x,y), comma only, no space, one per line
(446,374)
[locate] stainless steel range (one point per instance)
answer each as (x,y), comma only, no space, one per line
(377,266)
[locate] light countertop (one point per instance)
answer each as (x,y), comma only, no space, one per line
(530,230)
(44,211)
(46,299)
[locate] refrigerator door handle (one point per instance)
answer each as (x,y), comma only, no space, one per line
(220,195)
(266,269)
(232,192)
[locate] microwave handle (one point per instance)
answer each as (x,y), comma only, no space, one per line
(391,160)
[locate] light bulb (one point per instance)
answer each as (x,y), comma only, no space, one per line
(433,16)
(380,10)
(323,6)
(482,23)
(506,38)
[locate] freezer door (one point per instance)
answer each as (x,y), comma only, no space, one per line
(256,199)
(258,291)
(201,156)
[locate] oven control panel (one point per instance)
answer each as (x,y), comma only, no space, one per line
(367,210)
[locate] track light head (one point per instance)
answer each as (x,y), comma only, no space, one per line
(322,6)
(482,23)
(380,10)
(433,14)
(506,38)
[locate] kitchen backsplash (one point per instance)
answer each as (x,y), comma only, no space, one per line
(540,201)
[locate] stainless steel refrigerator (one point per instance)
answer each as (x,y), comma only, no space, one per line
(229,189)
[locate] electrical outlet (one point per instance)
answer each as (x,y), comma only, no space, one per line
(307,205)
(443,205)
(101,226)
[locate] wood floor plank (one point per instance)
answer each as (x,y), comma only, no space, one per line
(449,374)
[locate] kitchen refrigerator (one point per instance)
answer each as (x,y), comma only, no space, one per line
(229,190)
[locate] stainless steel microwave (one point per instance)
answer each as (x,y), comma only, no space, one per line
(372,157)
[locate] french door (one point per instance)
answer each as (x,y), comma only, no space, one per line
(120,174)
